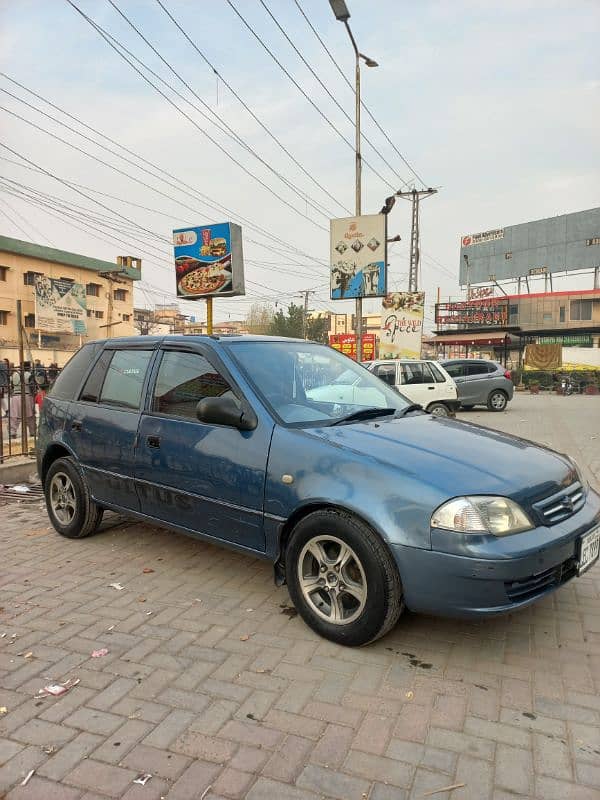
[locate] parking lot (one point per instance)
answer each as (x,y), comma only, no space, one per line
(217,689)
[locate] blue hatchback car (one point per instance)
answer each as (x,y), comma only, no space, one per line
(364,507)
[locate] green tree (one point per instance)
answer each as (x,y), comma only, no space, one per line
(288,323)
(318,329)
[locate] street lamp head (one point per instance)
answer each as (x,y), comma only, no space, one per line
(396,238)
(340,9)
(368,61)
(389,204)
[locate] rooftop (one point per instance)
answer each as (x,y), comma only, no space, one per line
(31,250)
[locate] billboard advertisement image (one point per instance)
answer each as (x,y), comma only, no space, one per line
(346,344)
(60,306)
(401,325)
(358,257)
(209,261)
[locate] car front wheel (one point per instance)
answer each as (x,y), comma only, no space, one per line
(71,510)
(342,579)
(497,401)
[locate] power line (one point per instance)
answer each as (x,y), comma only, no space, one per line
(227,129)
(339,69)
(305,95)
(11,220)
(217,144)
(330,95)
(265,127)
(174,182)
(28,222)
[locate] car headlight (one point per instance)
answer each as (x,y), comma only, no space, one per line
(481,514)
(585,485)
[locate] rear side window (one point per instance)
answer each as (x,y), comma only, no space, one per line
(416,372)
(68,382)
(493,367)
(93,385)
(477,369)
(125,378)
(437,373)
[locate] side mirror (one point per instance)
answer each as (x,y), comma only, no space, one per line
(225,411)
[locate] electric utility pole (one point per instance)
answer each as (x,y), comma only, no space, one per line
(306,293)
(415,196)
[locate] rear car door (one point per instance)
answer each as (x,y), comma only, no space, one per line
(477,381)
(418,383)
(203,477)
(104,422)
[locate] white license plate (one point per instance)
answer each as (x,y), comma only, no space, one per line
(589,549)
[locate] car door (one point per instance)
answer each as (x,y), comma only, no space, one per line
(104,422)
(456,370)
(418,384)
(477,381)
(204,477)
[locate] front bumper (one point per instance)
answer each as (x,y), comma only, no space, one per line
(468,585)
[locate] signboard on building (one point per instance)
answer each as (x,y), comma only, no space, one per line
(209,261)
(401,325)
(559,244)
(490,311)
(346,344)
(479,292)
(358,257)
(60,306)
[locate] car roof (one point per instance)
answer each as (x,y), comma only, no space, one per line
(230,338)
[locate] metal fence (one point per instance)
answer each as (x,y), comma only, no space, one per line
(22,390)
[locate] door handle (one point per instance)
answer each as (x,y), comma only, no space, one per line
(431,388)
(153,441)
(76,425)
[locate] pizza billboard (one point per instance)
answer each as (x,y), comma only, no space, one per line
(209,261)
(358,257)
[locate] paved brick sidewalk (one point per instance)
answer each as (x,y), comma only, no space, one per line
(212,681)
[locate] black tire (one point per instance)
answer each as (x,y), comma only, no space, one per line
(497,400)
(83,517)
(382,603)
(439,410)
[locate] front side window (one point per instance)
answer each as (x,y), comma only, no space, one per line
(125,378)
(183,380)
(455,370)
(299,382)
(387,373)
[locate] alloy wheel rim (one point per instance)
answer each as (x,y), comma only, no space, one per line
(62,498)
(498,400)
(332,580)
(438,411)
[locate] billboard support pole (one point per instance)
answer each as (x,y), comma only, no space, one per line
(209,316)
(24,387)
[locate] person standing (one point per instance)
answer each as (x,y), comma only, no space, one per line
(21,385)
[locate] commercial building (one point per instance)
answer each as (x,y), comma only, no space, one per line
(108,298)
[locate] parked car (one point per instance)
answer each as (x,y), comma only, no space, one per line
(364,506)
(480,382)
(423,382)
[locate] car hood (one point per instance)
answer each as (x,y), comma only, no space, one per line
(457,457)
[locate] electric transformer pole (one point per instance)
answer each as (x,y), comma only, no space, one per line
(415,196)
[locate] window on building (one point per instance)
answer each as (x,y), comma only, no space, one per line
(99,314)
(93,289)
(4,317)
(561,313)
(67,280)
(508,256)
(183,380)
(547,317)
(29,278)
(3,273)
(126,317)
(30,320)
(581,310)
(89,312)
(125,378)
(120,294)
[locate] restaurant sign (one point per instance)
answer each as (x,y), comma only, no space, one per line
(486,311)
(346,344)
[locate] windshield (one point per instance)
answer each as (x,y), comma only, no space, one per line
(311,384)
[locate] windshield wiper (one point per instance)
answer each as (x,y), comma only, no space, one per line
(365,413)
(411,407)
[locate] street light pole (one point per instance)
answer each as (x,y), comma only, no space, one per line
(342,14)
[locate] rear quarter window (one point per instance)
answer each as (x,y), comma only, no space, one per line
(65,387)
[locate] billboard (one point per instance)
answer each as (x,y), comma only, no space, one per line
(358,257)
(569,242)
(60,306)
(209,261)
(484,311)
(346,344)
(401,325)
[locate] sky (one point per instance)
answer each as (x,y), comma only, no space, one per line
(497,105)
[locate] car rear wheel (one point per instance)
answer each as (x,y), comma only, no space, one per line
(342,579)
(71,510)
(438,410)
(497,400)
